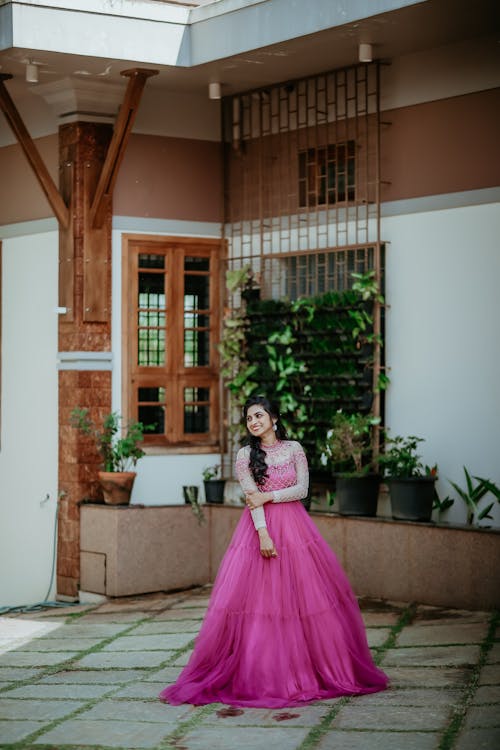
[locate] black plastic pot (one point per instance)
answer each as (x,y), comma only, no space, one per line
(214,490)
(357,496)
(412,498)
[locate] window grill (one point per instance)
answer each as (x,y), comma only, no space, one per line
(302,184)
(302,170)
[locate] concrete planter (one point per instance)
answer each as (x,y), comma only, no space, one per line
(127,550)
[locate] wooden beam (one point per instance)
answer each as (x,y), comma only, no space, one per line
(126,116)
(32,154)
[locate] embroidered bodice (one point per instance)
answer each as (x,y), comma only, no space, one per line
(287,475)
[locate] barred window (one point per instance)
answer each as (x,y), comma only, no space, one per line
(171,288)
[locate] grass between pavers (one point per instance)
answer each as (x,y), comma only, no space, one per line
(451,733)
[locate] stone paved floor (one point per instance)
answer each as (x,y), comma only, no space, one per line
(88,677)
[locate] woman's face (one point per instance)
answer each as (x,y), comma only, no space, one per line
(259,422)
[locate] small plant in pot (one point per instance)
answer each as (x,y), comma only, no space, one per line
(213,484)
(119,455)
(411,484)
(348,451)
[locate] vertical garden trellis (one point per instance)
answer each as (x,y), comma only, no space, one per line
(302,185)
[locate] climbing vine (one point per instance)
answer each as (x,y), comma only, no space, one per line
(315,355)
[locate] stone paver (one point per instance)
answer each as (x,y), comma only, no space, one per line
(91,676)
(108,659)
(353,740)
(10,708)
(150,642)
(43,691)
(490,675)
(13,674)
(304,716)
(487,694)
(15,731)
(411,697)
(432,656)
(479,739)
(109,698)
(136,710)
(244,738)
(483,716)
(109,733)
(35,659)
(141,690)
(378,619)
(157,627)
(193,613)
(428,676)
(74,645)
(377,636)
(88,630)
(182,660)
(428,635)
(167,675)
(494,655)
(355,716)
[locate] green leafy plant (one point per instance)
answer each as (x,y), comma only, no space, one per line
(441,505)
(471,496)
(191,495)
(402,460)
(348,443)
(118,454)
(211,472)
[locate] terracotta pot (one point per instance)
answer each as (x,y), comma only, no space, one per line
(117,486)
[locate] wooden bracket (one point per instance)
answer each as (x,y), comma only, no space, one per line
(126,116)
(32,154)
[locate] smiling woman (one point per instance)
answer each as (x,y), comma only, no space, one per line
(283,627)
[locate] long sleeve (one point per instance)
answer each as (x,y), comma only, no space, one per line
(247,484)
(299,490)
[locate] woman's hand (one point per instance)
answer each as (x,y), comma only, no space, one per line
(256,499)
(267,548)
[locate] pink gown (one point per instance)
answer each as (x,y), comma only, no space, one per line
(279,631)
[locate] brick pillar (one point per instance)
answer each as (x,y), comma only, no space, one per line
(85,274)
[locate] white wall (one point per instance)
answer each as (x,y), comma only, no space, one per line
(28,450)
(443,291)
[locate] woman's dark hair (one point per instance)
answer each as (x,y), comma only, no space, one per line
(257,463)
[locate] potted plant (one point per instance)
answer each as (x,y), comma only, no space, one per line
(348,451)
(214,484)
(119,455)
(410,483)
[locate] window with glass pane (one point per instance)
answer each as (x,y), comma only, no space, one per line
(171,371)
(327,175)
(151,311)
(151,408)
(196,410)
(196,312)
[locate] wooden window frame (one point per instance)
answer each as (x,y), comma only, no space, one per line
(174,375)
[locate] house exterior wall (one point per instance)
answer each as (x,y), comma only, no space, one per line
(439,152)
(29,445)
(442,277)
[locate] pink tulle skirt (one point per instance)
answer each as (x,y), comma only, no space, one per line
(281,631)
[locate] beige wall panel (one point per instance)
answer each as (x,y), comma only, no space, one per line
(170,178)
(444,146)
(21,197)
